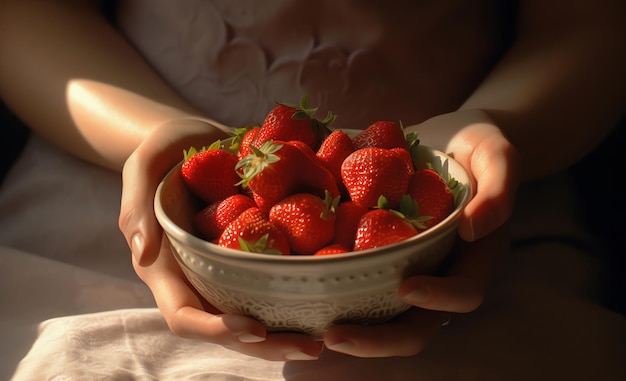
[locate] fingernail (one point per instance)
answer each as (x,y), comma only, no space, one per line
(137,246)
(250,338)
(417,295)
(343,347)
(299,356)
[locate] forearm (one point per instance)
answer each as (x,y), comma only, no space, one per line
(75,80)
(561,88)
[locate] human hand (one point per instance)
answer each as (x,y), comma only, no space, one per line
(187,313)
(474,140)
(495,170)
(494,166)
(462,289)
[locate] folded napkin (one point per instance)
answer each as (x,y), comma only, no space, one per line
(131,344)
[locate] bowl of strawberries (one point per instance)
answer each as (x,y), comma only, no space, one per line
(301,226)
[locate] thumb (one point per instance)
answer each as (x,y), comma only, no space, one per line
(142,173)
(495,166)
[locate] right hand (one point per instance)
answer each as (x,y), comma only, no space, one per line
(185,311)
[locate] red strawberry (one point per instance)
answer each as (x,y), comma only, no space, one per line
(252,231)
(307,220)
(334,150)
(248,138)
(372,172)
(294,122)
(210,173)
(433,196)
(406,155)
(279,169)
(381,227)
(347,216)
(212,220)
(382,134)
(304,148)
(331,249)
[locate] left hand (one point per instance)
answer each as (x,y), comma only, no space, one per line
(462,290)
(494,167)
(185,312)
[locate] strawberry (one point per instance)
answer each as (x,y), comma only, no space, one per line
(294,122)
(210,173)
(406,156)
(278,169)
(434,198)
(304,148)
(253,232)
(213,219)
(380,227)
(334,150)
(307,220)
(382,134)
(347,216)
(372,172)
(248,137)
(331,249)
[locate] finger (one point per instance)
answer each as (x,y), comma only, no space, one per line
(240,333)
(453,294)
(184,311)
(137,220)
(495,166)
(183,307)
(406,335)
(282,347)
(464,287)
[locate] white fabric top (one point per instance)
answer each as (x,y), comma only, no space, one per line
(362,60)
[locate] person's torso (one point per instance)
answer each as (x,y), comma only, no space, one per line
(364,60)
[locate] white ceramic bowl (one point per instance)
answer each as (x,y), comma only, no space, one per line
(305,293)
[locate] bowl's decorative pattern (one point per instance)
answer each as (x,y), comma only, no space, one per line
(308,316)
(308,297)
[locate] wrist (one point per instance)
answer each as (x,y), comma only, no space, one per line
(194,122)
(164,144)
(447,132)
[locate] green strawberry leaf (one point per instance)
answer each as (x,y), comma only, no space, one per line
(259,246)
(408,209)
(382,203)
(412,138)
(331,203)
(193,150)
(237,137)
(215,145)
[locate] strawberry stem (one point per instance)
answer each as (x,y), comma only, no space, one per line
(257,161)
(193,150)
(303,111)
(331,204)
